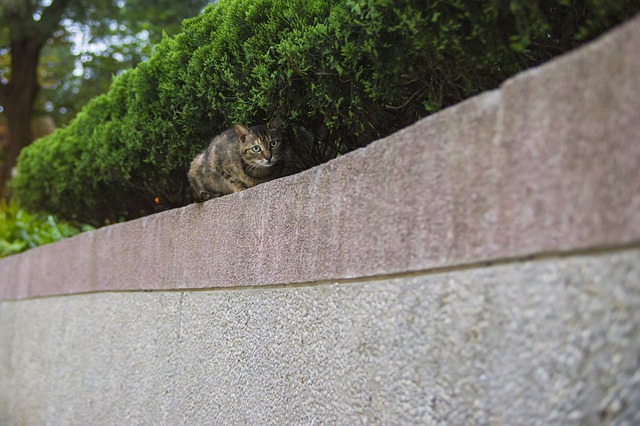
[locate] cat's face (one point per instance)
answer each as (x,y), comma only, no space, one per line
(260,145)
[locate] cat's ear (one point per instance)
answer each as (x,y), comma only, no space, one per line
(275,124)
(242,131)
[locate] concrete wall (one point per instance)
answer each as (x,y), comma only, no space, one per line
(479,267)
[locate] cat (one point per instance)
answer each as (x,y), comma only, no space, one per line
(237,159)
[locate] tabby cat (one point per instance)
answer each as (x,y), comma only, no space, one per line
(238,159)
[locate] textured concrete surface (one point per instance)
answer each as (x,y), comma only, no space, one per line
(546,342)
(548,163)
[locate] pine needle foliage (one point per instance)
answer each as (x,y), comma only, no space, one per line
(339,73)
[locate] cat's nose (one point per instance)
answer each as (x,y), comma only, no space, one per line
(267,155)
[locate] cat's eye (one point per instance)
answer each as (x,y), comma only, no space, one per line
(256,149)
(274,144)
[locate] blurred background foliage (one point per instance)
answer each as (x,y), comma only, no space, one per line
(339,73)
(20,230)
(93,41)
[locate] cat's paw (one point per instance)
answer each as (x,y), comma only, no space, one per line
(203,196)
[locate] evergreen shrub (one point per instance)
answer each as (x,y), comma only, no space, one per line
(339,73)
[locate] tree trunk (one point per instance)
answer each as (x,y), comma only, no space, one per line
(27,37)
(18,97)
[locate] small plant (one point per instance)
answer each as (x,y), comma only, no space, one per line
(21,230)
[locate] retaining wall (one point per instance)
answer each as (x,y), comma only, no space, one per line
(479,267)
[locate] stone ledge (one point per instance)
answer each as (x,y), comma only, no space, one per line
(536,343)
(550,162)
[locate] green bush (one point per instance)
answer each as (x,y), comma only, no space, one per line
(20,230)
(339,73)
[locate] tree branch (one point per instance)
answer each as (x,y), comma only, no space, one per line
(3,93)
